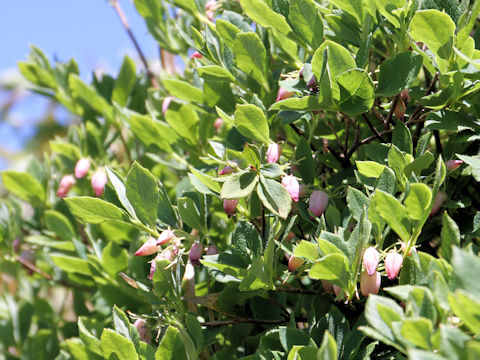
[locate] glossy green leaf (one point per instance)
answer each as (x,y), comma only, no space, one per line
(402,138)
(262,14)
(93,210)
(239,185)
(398,73)
(125,82)
(115,346)
(334,268)
(251,57)
(275,197)
(394,214)
(450,235)
(251,122)
(418,201)
(418,332)
(370,168)
(357,92)
(306,21)
(23,185)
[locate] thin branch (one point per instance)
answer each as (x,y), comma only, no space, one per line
(250,321)
(419,107)
(126,25)
(49,277)
(370,125)
(332,129)
(438,142)
(392,109)
(380,117)
(299,133)
(297,291)
(347,132)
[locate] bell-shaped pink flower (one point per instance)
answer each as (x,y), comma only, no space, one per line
(99,180)
(274,152)
(318,202)
(218,124)
(196,55)
(195,253)
(226,170)
(370,284)
(82,167)
(370,260)
(165,237)
(211,250)
(66,183)
(294,263)
(453,164)
(143,330)
(327,286)
(148,248)
(166,103)
(290,183)
(230,206)
(393,264)
(439,199)
(283,94)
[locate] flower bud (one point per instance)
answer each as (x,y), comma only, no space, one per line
(165,237)
(400,109)
(226,170)
(82,167)
(148,248)
(370,284)
(453,164)
(211,250)
(66,183)
(312,83)
(403,246)
(393,263)
(195,253)
(274,152)
(439,199)
(166,103)
(318,202)
(290,183)
(99,180)
(294,263)
(196,55)
(283,94)
(143,331)
(405,94)
(327,286)
(370,260)
(229,206)
(218,124)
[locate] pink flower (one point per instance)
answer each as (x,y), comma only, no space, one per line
(283,94)
(196,55)
(195,253)
(453,164)
(211,250)
(370,260)
(226,170)
(290,182)
(336,289)
(294,263)
(327,286)
(439,199)
(99,180)
(218,124)
(166,103)
(318,202)
(148,248)
(274,152)
(66,183)
(143,330)
(229,206)
(393,264)
(82,167)
(369,284)
(165,237)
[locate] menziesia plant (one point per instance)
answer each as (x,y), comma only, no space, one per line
(305,188)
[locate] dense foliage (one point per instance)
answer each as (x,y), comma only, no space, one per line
(305,188)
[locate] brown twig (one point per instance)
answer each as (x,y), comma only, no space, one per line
(370,125)
(297,291)
(419,107)
(126,25)
(250,321)
(392,109)
(299,133)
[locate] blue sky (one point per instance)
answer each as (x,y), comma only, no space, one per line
(88,30)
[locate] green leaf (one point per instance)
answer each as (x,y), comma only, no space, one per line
(120,190)
(275,197)
(465,265)
(306,165)
(251,122)
(398,73)
(305,103)
(123,326)
(436,29)
(246,241)
(114,258)
(305,18)
(215,71)
(418,332)
(251,56)
(357,92)
(402,138)
(394,214)
(307,250)
(24,185)
(184,121)
(353,7)
(370,168)
(328,348)
(171,346)
(381,312)
(262,14)
(467,308)
(71,264)
(125,82)
(59,224)
(183,90)
(357,201)
(115,346)
(191,214)
(419,164)
(397,162)
(334,268)
(152,132)
(418,201)
(474,162)
(44,241)
(450,235)
(93,210)
(89,96)
(239,185)
(142,193)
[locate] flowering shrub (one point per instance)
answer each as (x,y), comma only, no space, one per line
(307,187)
